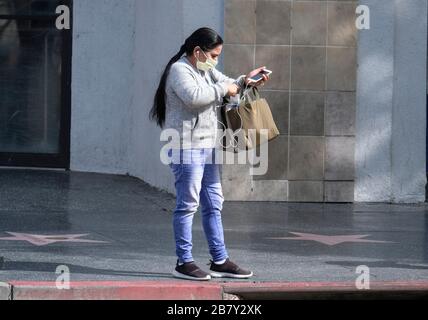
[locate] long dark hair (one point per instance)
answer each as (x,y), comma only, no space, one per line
(205,38)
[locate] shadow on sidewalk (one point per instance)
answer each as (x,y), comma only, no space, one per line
(50,267)
(378,264)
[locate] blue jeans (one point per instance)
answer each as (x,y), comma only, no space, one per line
(197,179)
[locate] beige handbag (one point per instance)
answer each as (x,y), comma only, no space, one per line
(247,121)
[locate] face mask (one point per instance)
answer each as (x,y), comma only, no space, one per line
(207,65)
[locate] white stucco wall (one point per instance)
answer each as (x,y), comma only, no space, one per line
(102,77)
(391,103)
(161,28)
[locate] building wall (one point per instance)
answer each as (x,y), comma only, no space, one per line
(391,109)
(311,48)
(121,47)
(102,77)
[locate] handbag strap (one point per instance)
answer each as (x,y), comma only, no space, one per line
(256,93)
(252,94)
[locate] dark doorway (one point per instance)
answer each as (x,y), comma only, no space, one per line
(35,85)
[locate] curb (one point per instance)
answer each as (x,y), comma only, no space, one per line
(187,290)
(115,290)
(329,290)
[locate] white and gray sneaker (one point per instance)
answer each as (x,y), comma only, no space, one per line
(229,270)
(190,271)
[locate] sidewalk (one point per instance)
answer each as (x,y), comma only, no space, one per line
(114,234)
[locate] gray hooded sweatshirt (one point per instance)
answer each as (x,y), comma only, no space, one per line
(193,102)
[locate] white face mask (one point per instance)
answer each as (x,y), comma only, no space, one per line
(207,65)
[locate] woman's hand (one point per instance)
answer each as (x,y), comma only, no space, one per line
(232,90)
(254,73)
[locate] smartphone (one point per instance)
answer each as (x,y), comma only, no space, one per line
(259,76)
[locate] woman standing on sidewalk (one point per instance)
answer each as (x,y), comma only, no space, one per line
(188,98)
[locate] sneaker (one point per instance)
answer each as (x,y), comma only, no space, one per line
(229,270)
(190,271)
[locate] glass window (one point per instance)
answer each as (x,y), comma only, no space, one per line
(31,65)
(29,7)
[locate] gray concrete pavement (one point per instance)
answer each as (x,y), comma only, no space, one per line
(52,218)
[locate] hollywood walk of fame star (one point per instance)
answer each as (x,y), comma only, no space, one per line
(42,240)
(330,240)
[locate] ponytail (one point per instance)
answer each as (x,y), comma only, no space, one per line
(159,107)
(206,39)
